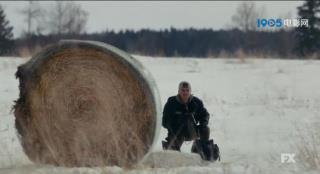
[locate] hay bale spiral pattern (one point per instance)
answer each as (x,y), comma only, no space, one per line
(82,104)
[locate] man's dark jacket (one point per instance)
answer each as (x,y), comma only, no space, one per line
(178,116)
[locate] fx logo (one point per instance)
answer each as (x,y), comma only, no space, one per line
(287,158)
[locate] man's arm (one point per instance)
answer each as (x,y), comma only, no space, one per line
(203,115)
(166,120)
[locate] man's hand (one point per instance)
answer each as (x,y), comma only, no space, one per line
(203,132)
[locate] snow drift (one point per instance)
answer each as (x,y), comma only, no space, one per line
(85,103)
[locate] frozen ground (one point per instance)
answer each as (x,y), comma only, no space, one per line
(259,109)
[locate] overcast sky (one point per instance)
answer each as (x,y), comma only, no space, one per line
(155,14)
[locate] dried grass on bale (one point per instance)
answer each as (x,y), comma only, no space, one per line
(81,104)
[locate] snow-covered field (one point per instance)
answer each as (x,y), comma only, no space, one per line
(260,109)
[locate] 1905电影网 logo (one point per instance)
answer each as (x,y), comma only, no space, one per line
(279,23)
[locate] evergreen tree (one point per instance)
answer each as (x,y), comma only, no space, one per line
(6,35)
(309,36)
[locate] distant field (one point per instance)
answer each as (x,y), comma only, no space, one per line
(259,109)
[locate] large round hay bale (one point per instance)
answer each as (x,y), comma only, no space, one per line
(85,103)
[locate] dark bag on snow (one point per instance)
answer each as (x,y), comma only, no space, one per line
(207,149)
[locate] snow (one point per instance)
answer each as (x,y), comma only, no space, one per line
(259,109)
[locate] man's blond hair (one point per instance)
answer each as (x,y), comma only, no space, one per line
(184,84)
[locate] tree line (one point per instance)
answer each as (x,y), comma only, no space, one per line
(67,20)
(185,42)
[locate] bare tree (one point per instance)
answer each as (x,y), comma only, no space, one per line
(67,17)
(246,16)
(32,14)
(77,19)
